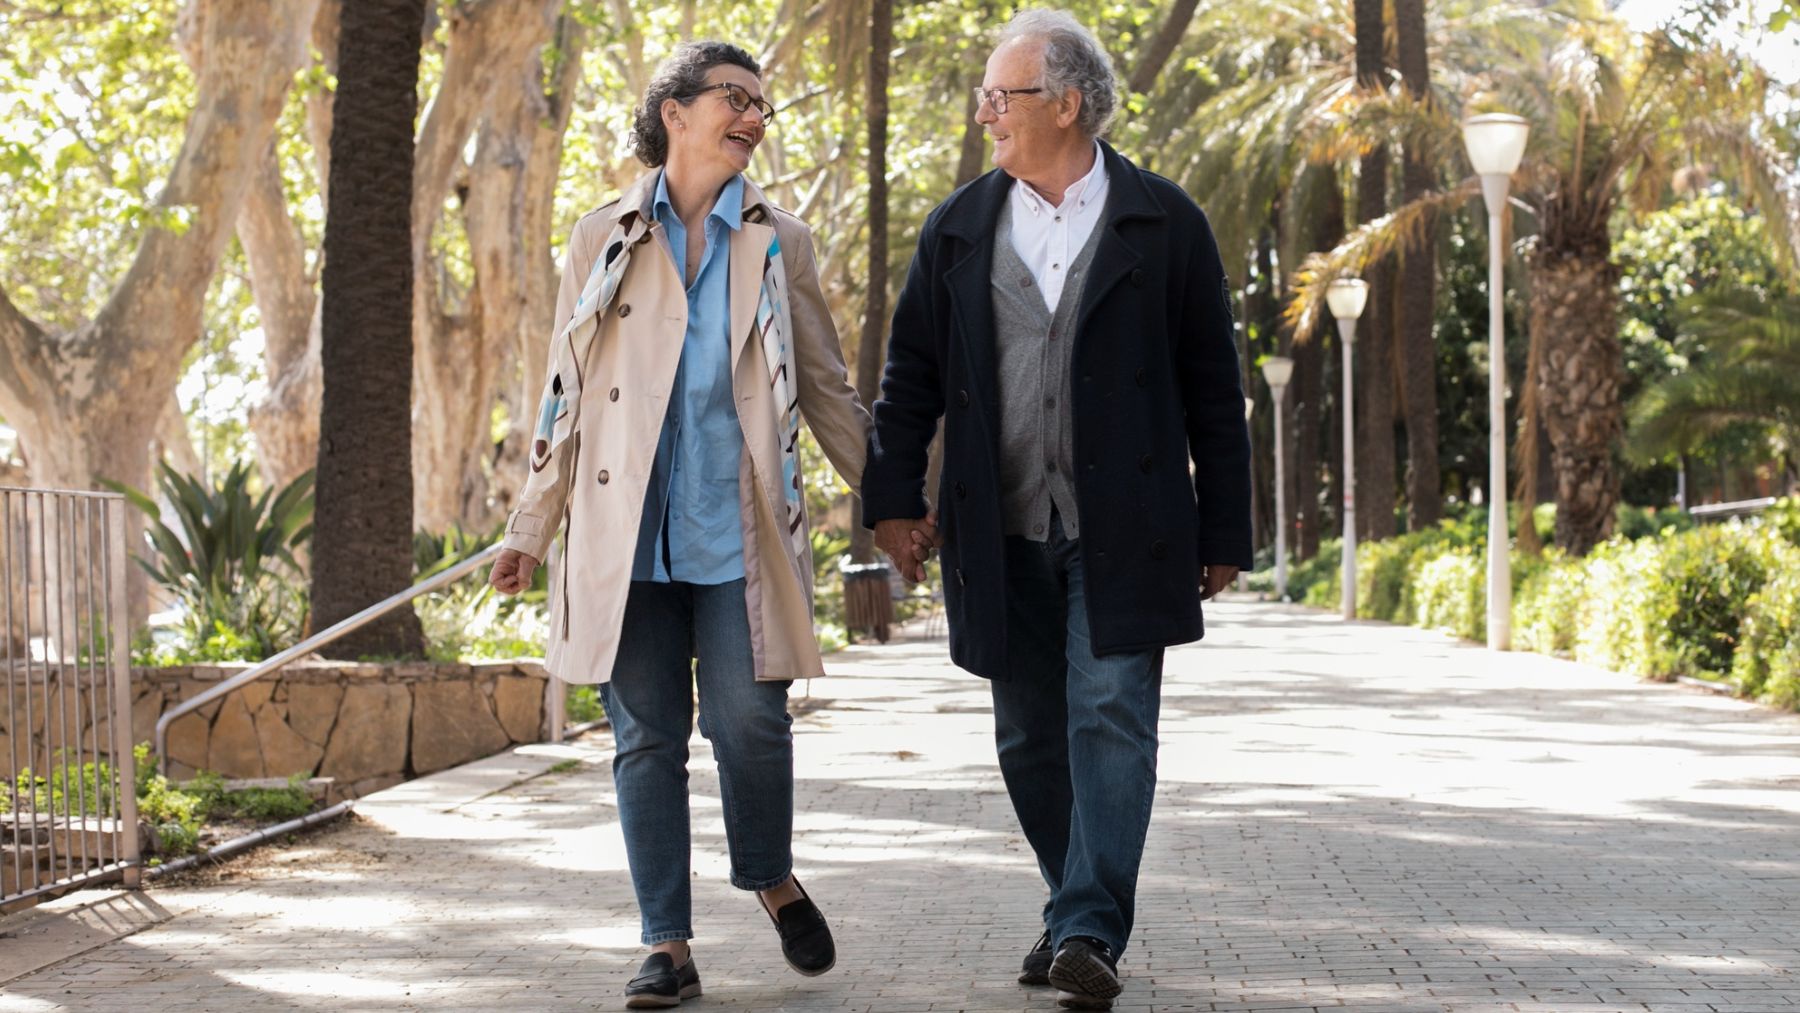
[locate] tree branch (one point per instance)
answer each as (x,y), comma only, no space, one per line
(1162,45)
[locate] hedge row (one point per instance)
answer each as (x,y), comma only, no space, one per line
(1719,602)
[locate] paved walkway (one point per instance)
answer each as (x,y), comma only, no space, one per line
(1350,815)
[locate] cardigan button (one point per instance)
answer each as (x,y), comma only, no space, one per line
(624,310)
(613,395)
(604,477)
(1159,549)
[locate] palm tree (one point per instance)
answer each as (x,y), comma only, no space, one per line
(1613,116)
(362,547)
(1748,382)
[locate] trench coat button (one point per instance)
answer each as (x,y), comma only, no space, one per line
(1137,276)
(613,395)
(1159,549)
(1144,464)
(604,477)
(624,310)
(962,399)
(961,492)
(1142,377)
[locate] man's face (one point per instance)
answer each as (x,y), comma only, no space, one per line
(1035,126)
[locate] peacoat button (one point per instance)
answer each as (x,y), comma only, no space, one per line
(1144,464)
(960,582)
(1137,276)
(613,395)
(604,477)
(961,492)
(624,309)
(1159,549)
(1142,377)
(962,399)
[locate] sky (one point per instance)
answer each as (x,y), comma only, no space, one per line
(1779,54)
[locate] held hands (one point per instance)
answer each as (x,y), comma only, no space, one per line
(1215,577)
(909,543)
(512,571)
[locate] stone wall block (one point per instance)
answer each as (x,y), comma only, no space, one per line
(519,703)
(312,708)
(285,753)
(232,751)
(452,724)
(370,737)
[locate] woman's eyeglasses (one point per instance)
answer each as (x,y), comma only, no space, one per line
(739,99)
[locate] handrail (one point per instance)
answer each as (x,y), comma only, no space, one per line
(319,639)
(1739,508)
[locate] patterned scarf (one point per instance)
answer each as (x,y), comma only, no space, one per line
(559,407)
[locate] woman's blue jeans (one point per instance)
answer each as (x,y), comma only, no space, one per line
(675,637)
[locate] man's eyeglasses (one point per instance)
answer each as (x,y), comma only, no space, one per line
(739,99)
(999,99)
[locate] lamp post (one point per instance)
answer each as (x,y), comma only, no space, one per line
(1346,297)
(1496,143)
(1277,370)
(1243,578)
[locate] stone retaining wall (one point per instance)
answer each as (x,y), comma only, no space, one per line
(368,726)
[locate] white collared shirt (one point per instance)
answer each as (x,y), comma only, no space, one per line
(1048,237)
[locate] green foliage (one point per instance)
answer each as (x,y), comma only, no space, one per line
(1767,662)
(175,815)
(1784,517)
(68,789)
(260,805)
(469,620)
(583,705)
(1547,603)
(232,567)
(1451,593)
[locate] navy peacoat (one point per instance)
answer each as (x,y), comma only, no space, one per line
(1154,384)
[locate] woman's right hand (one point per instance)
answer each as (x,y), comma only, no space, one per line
(512,571)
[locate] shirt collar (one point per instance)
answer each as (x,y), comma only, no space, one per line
(1080,193)
(728,208)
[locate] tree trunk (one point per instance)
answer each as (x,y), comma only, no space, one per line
(1313,417)
(1162,45)
(1574,312)
(1417,352)
(1374,439)
(869,357)
(363,549)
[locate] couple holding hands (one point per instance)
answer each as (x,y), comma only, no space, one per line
(1067,318)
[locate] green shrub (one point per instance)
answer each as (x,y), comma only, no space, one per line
(583,705)
(1784,517)
(1316,581)
(1547,603)
(1767,662)
(469,620)
(1635,522)
(232,568)
(1452,593)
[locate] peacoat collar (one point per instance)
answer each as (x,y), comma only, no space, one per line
(972,216)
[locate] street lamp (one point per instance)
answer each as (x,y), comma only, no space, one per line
(1346,297)
(1496,143)
(1278,370)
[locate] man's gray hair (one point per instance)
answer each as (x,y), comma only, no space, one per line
(1073,58)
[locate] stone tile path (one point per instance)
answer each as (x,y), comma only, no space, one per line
(1351,815)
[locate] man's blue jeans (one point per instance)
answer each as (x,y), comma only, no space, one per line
(676,636)
(1077,742)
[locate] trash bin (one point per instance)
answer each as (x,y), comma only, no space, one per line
(868,598)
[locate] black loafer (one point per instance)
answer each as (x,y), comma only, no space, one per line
(805,938)
(660,984)
(1086,974)
(1036,968)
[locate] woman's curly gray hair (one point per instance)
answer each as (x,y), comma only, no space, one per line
(1073,58)
(680,77)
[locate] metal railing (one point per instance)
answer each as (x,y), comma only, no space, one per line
(553,700)
(68,805)
(1725,511)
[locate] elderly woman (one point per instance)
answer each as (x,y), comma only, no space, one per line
(692,337)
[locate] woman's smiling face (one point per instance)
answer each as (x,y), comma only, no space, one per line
(707,133)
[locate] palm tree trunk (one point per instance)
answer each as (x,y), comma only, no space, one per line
(363,550)
(869,358)
(1416,352)
(1312,415)
(1374,379)
(1574,314)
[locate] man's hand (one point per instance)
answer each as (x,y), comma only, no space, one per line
(1215,577)
(512,571)
(909,543)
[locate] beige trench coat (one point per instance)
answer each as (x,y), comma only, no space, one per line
(593,488)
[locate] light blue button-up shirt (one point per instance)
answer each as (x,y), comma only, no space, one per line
(691,530)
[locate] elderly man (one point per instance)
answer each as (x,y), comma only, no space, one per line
(1069,318)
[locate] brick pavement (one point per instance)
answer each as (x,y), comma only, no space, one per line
(1351,815)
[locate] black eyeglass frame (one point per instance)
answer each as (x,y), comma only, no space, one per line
(732,91)
(1004,101)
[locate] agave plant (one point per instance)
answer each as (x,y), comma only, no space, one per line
(232,566)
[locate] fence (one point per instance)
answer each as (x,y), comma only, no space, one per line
(68,809)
